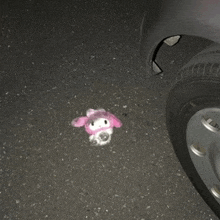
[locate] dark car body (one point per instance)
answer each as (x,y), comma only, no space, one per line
(167,18)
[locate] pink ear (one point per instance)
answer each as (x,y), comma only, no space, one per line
(90,111)
(79,122)
(116,122)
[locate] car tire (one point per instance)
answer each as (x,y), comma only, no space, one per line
(192,107)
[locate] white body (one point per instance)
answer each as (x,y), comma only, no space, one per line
(96,139)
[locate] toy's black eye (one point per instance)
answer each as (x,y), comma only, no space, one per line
(106,122)
(92,123)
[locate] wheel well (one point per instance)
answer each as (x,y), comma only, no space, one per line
(172,58)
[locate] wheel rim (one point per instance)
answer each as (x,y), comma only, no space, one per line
(203,141)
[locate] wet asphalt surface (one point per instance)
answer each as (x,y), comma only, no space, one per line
(58,59)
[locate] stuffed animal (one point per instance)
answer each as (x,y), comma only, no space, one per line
(99,124)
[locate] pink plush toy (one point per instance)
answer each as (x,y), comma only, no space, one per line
(99,124)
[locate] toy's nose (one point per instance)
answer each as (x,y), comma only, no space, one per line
(104,136)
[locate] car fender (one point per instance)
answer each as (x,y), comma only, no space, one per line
(164,19)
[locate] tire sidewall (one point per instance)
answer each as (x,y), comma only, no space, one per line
(186,98)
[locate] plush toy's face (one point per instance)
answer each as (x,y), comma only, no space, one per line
(99,123)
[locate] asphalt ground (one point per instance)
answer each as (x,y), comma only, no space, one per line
(58,59)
